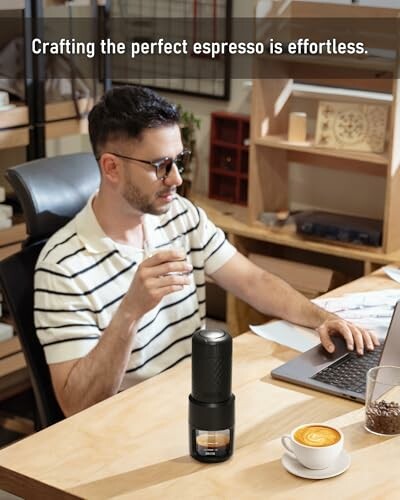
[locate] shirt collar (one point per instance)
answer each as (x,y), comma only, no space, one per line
(95,240)
(90,232)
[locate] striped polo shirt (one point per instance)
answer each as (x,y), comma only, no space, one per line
(82,275)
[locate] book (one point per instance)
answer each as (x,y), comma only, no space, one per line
(5,223)
(6,331)
(6,211)
(14,234)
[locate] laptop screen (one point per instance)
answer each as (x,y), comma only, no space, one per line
(391,349)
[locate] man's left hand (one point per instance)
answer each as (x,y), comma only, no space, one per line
(353,335)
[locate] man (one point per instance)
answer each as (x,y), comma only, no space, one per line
(109,312)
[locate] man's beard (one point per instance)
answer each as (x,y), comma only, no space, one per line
(142,202)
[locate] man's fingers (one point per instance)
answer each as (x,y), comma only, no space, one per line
(162,256)
(173,279)
(169,261)
(154,283)
(325,339)
(374,338)
(358,338)
(181,266)
(368,343)
(345,331)
(336,326)
(370,339)
(354,336)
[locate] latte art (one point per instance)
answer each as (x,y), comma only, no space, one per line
(317,435)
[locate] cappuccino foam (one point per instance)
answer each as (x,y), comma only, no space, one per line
(317,435)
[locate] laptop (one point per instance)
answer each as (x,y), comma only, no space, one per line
(342,373)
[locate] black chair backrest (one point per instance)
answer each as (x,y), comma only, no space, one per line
(16,281)
(51,192)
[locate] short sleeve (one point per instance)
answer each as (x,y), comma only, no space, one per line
(65,319)
(217,250)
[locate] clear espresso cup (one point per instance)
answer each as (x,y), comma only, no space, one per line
(177,242)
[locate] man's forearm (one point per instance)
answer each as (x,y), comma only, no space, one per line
(273,296)
(98,375)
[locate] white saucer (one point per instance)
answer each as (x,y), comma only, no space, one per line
(292,465)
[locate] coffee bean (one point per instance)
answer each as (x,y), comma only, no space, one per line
(383,417)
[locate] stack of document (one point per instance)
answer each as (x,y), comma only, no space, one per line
(6,211)
(371,310)
(6,330)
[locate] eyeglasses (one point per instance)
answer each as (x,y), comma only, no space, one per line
(163,166)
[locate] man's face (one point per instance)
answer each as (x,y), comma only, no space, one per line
(140,186)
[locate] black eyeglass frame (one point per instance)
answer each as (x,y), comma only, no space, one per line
(157,164)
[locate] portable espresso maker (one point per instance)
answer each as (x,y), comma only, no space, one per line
(211,403)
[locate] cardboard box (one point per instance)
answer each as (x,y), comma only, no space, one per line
(310,280)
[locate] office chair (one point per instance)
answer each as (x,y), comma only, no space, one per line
(51,191)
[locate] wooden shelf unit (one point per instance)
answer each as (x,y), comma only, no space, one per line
(12,4)
(271,153)
(61,118)
(248,238)
(14,127)
(64,118)
(15,131)
(229,157)
(281,142)
(233,219)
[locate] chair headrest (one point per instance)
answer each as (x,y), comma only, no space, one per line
(53,190)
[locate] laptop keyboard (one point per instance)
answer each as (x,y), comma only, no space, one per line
(349,372)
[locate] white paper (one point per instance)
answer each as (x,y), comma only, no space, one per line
(381,298)
(370,310)
(297,337)
(392,272)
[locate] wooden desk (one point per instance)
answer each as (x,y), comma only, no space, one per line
(135,445)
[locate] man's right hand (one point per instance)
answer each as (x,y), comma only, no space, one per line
(161,274)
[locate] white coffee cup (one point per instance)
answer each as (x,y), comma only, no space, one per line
(315,445)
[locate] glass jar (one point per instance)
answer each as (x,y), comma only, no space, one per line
(382,402)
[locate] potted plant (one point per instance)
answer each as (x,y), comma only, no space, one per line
(189,124)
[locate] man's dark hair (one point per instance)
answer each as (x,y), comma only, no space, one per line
(124,112)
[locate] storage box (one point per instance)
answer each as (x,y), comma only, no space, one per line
(311,281)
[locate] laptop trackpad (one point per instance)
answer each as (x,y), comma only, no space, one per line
(319,358)
(312,361)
